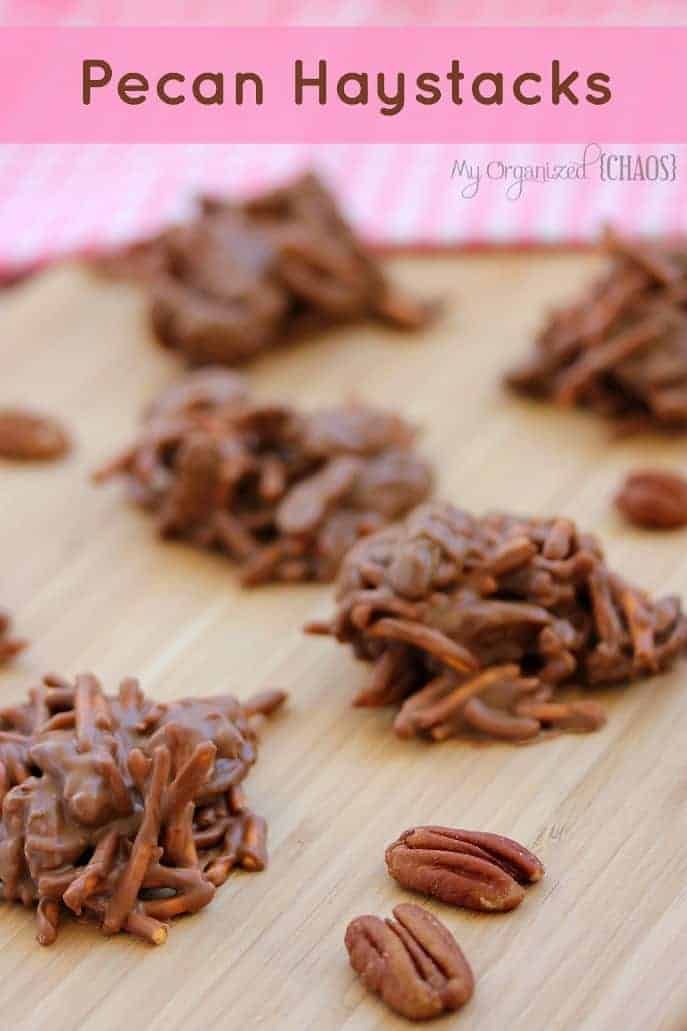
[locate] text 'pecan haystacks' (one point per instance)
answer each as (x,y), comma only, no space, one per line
(473,624)
(9,644)
(125,811)
(284,493)
(622,349)
(240,278)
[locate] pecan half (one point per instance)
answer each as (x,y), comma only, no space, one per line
(9,645)
(30,436)
(654,498)
(471,869)
(413,962)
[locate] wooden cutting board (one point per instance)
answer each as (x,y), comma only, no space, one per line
(601,943)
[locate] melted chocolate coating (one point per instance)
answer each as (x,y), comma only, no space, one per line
(122,809)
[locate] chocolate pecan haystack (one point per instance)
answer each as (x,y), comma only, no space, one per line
(622,349)
(473,624)
(125,811)
(282,492)
(240,278)
(9,644)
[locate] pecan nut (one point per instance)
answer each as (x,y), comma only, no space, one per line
(9,645)
(654,498)
(471,869)
(413,962)
(31,436)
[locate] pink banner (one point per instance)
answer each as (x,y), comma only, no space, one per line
(441,85)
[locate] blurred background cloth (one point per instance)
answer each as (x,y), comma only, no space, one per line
(58,199)
(343,12)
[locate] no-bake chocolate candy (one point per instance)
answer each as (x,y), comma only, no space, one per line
(240,278)
(125,811)
(284,493)
(622,349)
(474,625)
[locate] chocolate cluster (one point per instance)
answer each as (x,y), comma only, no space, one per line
(621,350)
(282,492)
(124,811)
(240,278)
(476,625)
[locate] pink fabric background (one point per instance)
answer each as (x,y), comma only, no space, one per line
(57,198)
(343,12)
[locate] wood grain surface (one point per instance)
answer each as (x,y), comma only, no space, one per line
(601,943)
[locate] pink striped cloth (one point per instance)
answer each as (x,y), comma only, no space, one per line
(64,198)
